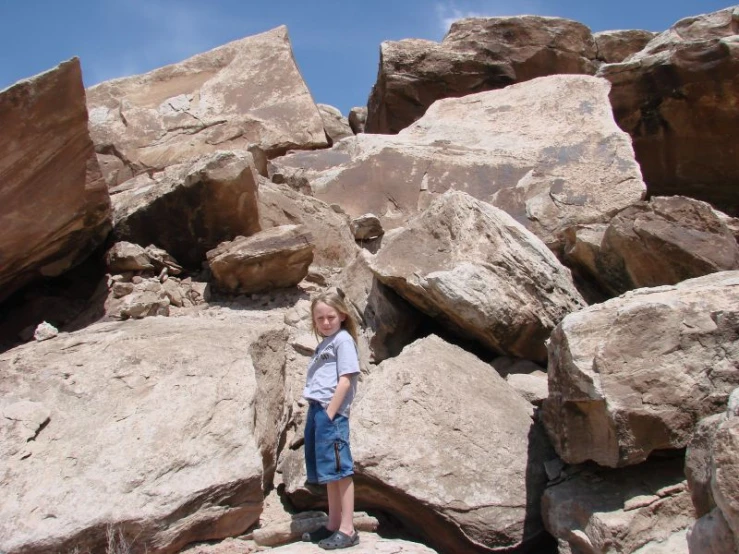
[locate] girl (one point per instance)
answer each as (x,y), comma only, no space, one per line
(331,383)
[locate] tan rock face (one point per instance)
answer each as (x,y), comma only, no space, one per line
(54,206)
(634,374)
(677,100)
(272,259)
(725,475)
(546,151)
(281,205)
(660,242)
(442,443)
(246,92)
(190,208)
(637,509)
(358,119)
(476,270)
(476,55)
(616,46)
(147,427)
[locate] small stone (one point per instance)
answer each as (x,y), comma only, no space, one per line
(45,331)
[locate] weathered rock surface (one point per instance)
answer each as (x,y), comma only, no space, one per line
(631,510)
(54,206)
(245,92)
(468,474)
(546,151)
(476,55)
(677,100)
(634,374)
(477,271)
(616,46)
(660,242)
(358,119)
(146,427)
(281,205)
(369,543)
(190,208)
(533,387)
(336,125)
(386,320)
(711,535)
(276,258)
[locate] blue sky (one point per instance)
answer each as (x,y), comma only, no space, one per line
(336,42)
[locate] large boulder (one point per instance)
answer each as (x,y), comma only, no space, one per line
(54,205)
(677,98)
(634,374)
(480,273)
(660,242)
(547,151)
(616,46)
(246,92)
(476,55)
(468,473)
(276,258)
(636,509)
(148,429)
(189,209)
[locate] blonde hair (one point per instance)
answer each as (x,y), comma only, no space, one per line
(336,301)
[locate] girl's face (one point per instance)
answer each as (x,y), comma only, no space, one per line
(327,319)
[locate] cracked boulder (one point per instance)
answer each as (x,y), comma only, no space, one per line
(677,98)
(246,92)
(633,375)
(276,258)
(190,208)
(468,474)
(476,55)
(547,151)
(148,428)
(478,272)
(336,125)
(660,242)
(54,205)
(644,509)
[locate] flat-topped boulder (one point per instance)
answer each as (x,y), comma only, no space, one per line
(615,46)
(547,151)
(476,55)
(634,375)
(246,92)
(478,272)
(54,205)
(677,98)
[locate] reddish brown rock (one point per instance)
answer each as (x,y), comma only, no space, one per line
(660,242)
(54,206)
(547,151)
(189,208)
(476,55)
(336,125)
(246,92)
(358,119)
(272,259)
(616,46)
(677,98)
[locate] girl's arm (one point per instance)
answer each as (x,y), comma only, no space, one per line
(345,383)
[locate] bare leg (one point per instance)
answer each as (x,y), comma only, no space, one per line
(345,488)
(334,505)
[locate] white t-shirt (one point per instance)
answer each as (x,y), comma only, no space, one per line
(336,355)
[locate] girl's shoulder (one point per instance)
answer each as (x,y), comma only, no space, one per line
(342,335)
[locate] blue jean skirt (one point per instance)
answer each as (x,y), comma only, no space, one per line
(328,456)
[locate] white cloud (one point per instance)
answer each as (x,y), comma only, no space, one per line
(451,10)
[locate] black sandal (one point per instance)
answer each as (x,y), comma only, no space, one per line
(318,535)
(340,540)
